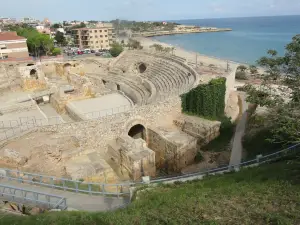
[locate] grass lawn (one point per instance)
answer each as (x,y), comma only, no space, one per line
(269,194)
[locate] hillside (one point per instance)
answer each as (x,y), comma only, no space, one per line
(269,194)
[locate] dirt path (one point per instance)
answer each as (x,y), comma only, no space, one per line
(237,148)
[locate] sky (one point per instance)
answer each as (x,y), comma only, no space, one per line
(59,10)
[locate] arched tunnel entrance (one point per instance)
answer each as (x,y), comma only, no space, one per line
(33,74)
(137,131)
(142,68)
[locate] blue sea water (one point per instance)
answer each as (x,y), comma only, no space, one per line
(249,40)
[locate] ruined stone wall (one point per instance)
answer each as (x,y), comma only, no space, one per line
(171,155)
(94,134)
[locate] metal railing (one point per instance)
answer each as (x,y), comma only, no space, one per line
(24,196)
(260,159)
(13,128)
(76,186)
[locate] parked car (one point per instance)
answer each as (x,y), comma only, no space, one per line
(79,52)
(98,54)
(93,51)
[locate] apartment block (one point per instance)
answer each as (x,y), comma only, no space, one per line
(99,37)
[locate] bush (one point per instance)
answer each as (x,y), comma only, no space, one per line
(56,51)
(242,68)
(116,49)
(199,157)
(241,75)
(206,100)
(253,69)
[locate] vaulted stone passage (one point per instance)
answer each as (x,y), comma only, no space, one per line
(137,131)
(33,74)
(142,68)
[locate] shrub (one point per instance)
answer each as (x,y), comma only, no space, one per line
(199,157)
(206,100)
(242,68)
(116,49)
(253,69)
(241,75)
(56,51)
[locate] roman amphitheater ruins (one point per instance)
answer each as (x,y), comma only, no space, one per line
(103,120)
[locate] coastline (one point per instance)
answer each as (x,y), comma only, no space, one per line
(191,56)
(168,33)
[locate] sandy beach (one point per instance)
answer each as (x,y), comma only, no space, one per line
(189,55)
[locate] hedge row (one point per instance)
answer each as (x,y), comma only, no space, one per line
(207,100)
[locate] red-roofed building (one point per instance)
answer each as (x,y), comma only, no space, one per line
(12,46)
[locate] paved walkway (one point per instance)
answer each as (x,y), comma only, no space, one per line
(237,148)
(82,202)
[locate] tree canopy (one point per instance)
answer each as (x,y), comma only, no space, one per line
(116,49)
(38,44)
(60,38)
(283,109)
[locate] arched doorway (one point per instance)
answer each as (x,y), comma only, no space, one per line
(67,68)
(33,74)
(137,131)
(142,68)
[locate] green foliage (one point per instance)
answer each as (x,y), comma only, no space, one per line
(116,49)
(81,25)
(60,38)
(263,195)
(253,69)
(206,100)
(199,157)
(222,142)
(56,26)
(160,48)
(241,75)
(242,68)
(157,47)
(283,111)
(56,51)
(38,44)
(134,44)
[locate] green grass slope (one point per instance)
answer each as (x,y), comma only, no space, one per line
(269,194)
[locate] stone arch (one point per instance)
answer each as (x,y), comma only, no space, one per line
(67,68)
(132,122)
(142,67)
(33,74)
(137,131)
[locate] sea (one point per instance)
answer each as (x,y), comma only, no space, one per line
(250,39)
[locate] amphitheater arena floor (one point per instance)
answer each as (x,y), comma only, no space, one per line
(101,106)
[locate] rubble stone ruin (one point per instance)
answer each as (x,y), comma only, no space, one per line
(101,120)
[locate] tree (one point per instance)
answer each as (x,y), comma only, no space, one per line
(157,47)
(253,69)
(283,115)
(242,68)
(134,44)
(56,26)
(60,38)
(116,49)
(81,25)
(56,51)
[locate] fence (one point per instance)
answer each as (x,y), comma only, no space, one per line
(255,162)
(20,195)
(66,184)
(13,128)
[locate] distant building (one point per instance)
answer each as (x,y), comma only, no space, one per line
(98,37)
(12,46)
(5,20)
